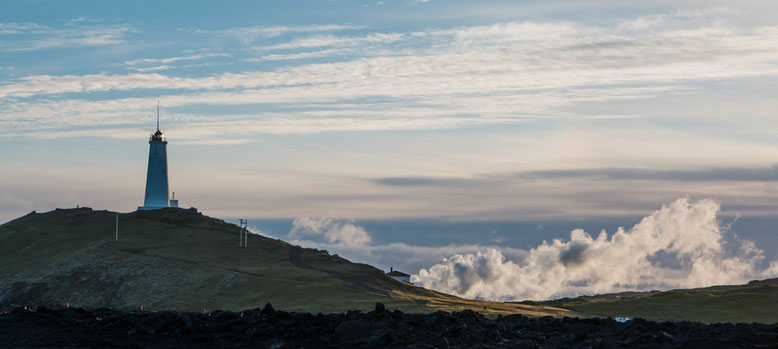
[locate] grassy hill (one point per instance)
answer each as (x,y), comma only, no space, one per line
(756,301)
(178,259)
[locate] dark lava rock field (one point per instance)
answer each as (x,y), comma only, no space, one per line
(268,328)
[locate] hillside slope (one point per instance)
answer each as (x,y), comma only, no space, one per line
(178,259)
(756,301)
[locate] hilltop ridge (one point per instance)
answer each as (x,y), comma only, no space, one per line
(179,259)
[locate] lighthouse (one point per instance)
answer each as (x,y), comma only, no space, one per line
(156,175)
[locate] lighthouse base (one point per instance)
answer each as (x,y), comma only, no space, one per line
(147,208)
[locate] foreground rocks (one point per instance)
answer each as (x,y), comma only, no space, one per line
(269,328)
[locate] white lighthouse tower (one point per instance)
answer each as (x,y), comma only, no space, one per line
(156,176)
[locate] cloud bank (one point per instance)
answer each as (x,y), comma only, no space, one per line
(679,246)
(734,174)
(760,174)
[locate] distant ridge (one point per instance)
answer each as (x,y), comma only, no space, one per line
(756,301)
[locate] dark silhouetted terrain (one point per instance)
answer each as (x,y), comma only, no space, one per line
(380,328)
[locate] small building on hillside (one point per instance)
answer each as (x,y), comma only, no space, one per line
(399,275)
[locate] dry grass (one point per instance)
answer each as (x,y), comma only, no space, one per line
(754,302)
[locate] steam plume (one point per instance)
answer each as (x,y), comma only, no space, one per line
(333,232)
(680,245)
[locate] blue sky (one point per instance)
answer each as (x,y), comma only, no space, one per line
(487,111)
(314,108)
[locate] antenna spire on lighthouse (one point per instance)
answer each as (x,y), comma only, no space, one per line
(158,115)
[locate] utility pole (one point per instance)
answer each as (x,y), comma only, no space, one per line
(243,233)
(117,226)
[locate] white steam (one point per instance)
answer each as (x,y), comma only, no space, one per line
(679,246)
(333,232)
(355,244)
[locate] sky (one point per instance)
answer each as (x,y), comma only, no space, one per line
(333,116)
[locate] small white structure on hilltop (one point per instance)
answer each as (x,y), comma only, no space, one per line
(156,176)
(399,275)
